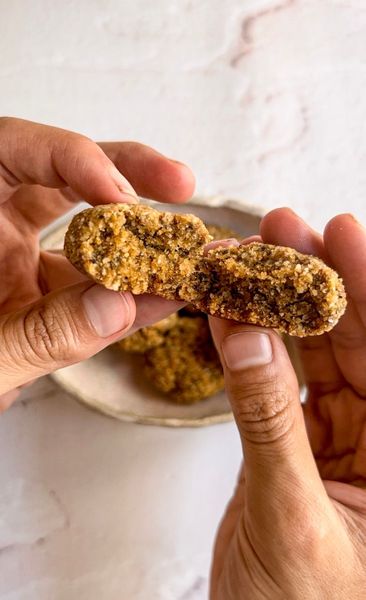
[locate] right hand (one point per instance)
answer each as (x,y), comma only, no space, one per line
(50,315)
(295,528)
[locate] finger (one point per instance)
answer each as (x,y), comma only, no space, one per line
(151,174)
(262,387)
(38,154)
(345,241)
(283,227)
(232,242)
(62,328)
(7,399)
(347,495)
(221,244)
(250,240)
(39,206)
(57,272)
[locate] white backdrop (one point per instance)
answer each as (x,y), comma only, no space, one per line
(266,100)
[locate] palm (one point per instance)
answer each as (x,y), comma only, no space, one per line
(336,424)
(337,427)
(21,218)
(335,409)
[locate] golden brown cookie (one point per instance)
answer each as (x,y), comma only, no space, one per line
(217,233)
(148,337)
(221,233)
(191,311)
(186,366)
(136,248)
(271,286)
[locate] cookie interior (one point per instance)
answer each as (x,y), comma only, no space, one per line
(135,247)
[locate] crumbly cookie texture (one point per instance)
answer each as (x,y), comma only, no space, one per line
(186,366)
(271,286)
(148,337)
(220,233)
(136,248)
(217,233)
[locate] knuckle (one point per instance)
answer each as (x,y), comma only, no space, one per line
(76,149)
(263,412)
(7,121)
(349,340)
(72,144)
(308,529)
(9,139)
(76,142)
(50,334)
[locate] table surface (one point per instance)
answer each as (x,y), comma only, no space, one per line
(94,508)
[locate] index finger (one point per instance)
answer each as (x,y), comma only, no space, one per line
(152,174)
(39,154)
(282,226)
(345,241)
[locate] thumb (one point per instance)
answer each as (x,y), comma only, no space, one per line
(280,469)
(62,328)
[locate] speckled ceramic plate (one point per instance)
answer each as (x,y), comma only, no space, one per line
(111,381)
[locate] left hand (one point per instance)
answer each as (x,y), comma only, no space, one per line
(44,171)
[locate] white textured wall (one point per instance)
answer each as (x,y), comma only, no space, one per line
(264,98)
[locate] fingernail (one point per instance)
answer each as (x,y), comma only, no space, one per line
(247,349)
(251,239)
(121,182)
(221,244)
(177,162)
(231,241)
(354,219)
(130,198)
(108,312)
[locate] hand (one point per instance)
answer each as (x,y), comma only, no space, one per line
(295,528)
(50,315)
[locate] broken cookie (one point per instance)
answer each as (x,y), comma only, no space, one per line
(136,248)
(271,286)
(220,233)
(148,337)
(217,233)
(186,366)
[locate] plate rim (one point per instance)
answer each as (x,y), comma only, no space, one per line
(130,417)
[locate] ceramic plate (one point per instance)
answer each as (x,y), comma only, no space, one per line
(111,381)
